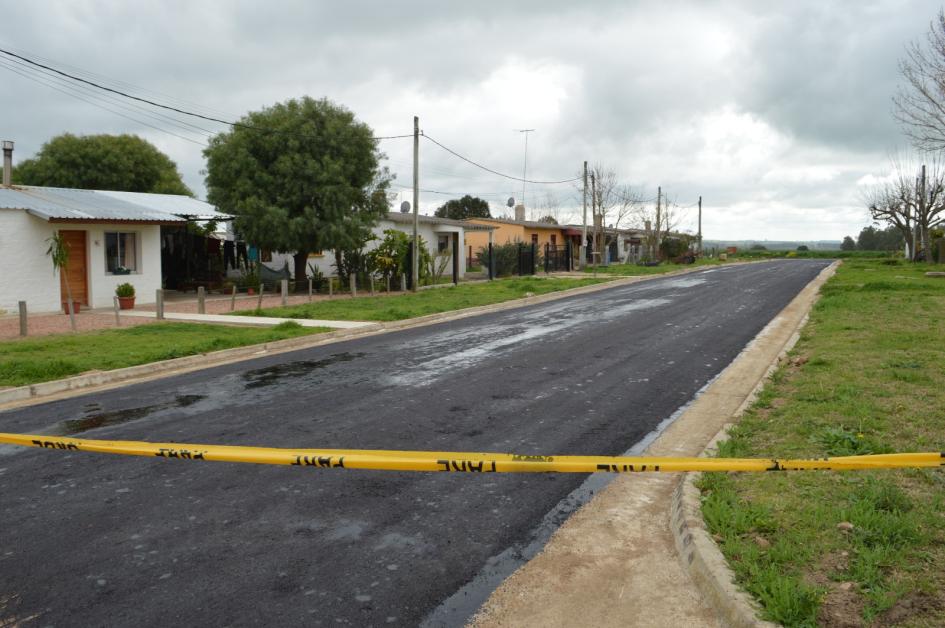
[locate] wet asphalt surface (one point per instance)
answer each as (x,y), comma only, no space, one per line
(96,540)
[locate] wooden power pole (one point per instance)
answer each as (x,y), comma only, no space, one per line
(415,258)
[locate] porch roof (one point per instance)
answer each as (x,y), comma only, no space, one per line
(73,205)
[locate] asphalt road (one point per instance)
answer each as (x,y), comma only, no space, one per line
(94,540)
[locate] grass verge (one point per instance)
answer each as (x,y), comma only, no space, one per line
(46,358)
(855,548)
(399,307)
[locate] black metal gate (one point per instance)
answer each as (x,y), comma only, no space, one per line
(526,259)
(557,258)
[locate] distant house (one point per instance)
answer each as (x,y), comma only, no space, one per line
(508,231)
(439,234)
(112,237)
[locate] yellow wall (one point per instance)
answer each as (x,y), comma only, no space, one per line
(506,233)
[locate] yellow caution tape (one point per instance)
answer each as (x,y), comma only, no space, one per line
(462,461)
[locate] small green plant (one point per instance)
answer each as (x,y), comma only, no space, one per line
(125,290)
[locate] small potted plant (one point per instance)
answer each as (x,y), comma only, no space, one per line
(126,296)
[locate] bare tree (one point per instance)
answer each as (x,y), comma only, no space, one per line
(548,205)
(612,203)
(919,105)
(909,203)
(659,221)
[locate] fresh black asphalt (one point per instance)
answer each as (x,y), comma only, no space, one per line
(96,540)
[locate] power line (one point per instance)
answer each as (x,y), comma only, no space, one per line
(495,172)
(157,104)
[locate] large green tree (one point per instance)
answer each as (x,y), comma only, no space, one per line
(463,208)
(300,176)
(125,163)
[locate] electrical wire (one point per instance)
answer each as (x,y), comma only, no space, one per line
(495,172)
(160,105)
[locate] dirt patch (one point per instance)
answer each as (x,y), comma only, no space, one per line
(911,604)
(842,608)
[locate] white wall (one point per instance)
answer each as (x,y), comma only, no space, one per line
(28,272)
(429,232)
(146,279)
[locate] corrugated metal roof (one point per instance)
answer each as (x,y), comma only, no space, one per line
(71,204)
(408,218)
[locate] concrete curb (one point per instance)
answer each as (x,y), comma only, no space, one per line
(87,382)
(695,546)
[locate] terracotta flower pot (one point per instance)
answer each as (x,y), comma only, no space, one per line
(75,306)
(250,291)
(126,303)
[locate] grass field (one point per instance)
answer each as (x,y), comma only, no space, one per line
(399,307)
(33,360)
(867,376)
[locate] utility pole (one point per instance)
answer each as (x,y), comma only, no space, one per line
(921,218)
(415,258)
(655,245)
(583,248)
(594,214)
(700,225)
(525,162)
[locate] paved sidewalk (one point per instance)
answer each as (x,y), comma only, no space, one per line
(262,321)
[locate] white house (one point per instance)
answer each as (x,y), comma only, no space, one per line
(113,238)
(439,234)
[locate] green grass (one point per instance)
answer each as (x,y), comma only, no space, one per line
(399,307)
(867,376)
(630,270)
(33,360)
(749,254)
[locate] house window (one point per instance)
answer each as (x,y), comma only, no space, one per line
(534,238)
(554,240)
(443,243)
(121,253)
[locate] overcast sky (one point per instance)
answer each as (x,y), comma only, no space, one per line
(774,115)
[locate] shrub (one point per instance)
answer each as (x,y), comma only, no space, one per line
(125,290)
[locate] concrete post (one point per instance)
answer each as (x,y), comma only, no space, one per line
(284,285)
(403,282)
(309,289)
(233,299)
(117,317)
(372,285)
(262,287)
(159,304)
(22,306)
(353,283)
(201,300)
(331,286)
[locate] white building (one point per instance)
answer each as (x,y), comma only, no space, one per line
(439,234)
(113,238)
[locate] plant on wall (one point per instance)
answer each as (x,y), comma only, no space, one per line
(58,252)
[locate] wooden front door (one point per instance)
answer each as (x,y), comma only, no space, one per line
(77,270)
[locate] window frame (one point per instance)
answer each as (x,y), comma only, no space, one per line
(136,270)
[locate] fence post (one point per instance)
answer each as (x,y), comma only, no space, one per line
(117,318)
(22,305)
(388,284)
(159,304)
(353,283)
(491,262)
(532,264)
(569,251)
(201,300)
(547,250)
(309,289)
(331,286)
(233,299)
(262,287)
(403,282)
(285,292)
(372,285)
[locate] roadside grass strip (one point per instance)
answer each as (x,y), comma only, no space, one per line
(45,358)
(401,306)
(634,270)
(450,461)
(867,376)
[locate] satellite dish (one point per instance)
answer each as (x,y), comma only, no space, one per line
(511,201)
(405,207)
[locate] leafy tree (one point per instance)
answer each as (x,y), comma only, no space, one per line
(758,247)
(803,247)
(300,176)
(126,163)
(848,244)
(873,239)
(463,208)
(551,220)
(391,258)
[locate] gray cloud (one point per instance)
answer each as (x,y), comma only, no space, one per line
(771,114)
